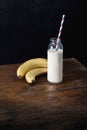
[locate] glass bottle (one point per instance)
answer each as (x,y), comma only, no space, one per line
(55,61)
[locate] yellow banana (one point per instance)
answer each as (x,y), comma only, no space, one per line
(31,64)
(30,75)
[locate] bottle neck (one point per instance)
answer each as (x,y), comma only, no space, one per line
(55,43)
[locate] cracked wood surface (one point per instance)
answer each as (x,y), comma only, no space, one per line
(42,105)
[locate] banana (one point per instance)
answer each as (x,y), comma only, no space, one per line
(32,74)
(31,64)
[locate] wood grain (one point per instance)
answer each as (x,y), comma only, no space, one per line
(43,105)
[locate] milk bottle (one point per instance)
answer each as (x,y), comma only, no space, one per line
(55,61)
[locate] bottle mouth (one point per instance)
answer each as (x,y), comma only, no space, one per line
(53,39)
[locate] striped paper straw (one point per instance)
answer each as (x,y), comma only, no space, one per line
(61,26)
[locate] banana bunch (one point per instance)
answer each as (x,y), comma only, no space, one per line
(32,68)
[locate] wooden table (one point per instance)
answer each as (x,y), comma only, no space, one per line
(43,105)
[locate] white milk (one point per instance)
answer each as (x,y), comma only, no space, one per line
(55,65)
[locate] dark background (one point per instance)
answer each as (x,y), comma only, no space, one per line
(27,25)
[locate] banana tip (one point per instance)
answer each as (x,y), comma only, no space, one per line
(19,76)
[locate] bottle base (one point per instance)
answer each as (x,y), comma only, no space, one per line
(55,82)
